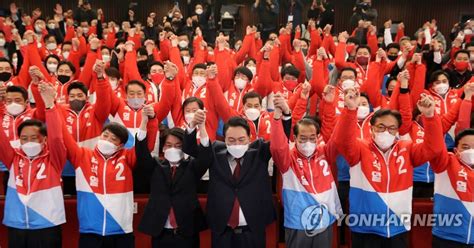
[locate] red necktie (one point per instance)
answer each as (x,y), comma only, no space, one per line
(171,216)
(234,215)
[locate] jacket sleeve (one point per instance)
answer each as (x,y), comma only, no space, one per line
(328,118)
(145,164)
(8,153)
(75,154)
(168,92)
(464,118)
(406,112)
(57,149)
(245,49)
(203,160)
(345,137)
(451,117)
(279,147)
(219,102)
(102,109)
(339,58)
(373,85)
(432,144)
(86,74)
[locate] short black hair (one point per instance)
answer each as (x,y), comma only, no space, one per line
(54,56)
(306,121)
(393,45)
(364,47)
(112,72)
(3,59)
(68,63)
(118,130)
(353,40)
(35,123)
(77,85)
(434,76)
(244,70)
(291,70)
(389,79)
(18,89)
(175,131)
(191,100)
(135,82)
(237,121)
(347,69)
(385,112)
(462,134)
(247,61)
(462,51)
(252,94)
(142,51)
(365,95)
(155,63)
(200,66)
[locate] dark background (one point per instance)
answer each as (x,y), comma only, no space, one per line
(413,12)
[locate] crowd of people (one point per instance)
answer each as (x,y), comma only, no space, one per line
(356,123)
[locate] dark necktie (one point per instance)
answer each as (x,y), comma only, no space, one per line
(234,215)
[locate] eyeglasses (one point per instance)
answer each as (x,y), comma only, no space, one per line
(382,128)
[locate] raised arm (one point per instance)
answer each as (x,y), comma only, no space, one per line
(7,154)
(103,89)
(433,141)
(464,118)
(345,134)
(168,92)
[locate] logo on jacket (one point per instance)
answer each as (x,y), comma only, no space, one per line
(315,219)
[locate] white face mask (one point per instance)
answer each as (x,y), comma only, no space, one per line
(15,108)
(186,60)
(173,155)
(183,44)
(240,83)
(31,149)
(253,69)
(15,62)
(237,151)
(198,81)
(467,157)
(51,46)
(65,55)
(113,83)
(199,11)
(384,140)
(362,112)
(107,148)
(306,148)
(106,58)
(51,26)
(136,103)
(38,29)
(86,30)
(467,31)
(188,117)
(347,84)
(52,67)
(252,113)
(441,89)
(2,42)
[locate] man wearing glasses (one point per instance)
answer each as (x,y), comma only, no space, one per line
(381,173)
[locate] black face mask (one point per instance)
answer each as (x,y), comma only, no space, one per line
(63,78)
(389,92)
(143,67)
(392,57)
(5,76)
(77,105)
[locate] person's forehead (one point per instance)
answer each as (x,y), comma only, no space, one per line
(347,73)
(306,130)
(253,100)
(199,70)
(156,67)
(4,64)
(236,132)
(134,87)
(171,139)
(363,50)
(386,120)
(467,140)
(191,105)
(75,92)
(14,95)
(30,131)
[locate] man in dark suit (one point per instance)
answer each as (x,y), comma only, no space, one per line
(173,216)
(239,204)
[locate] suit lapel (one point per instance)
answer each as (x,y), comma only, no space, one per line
(179,173)
(247,163)
(167,172)
(224,167)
